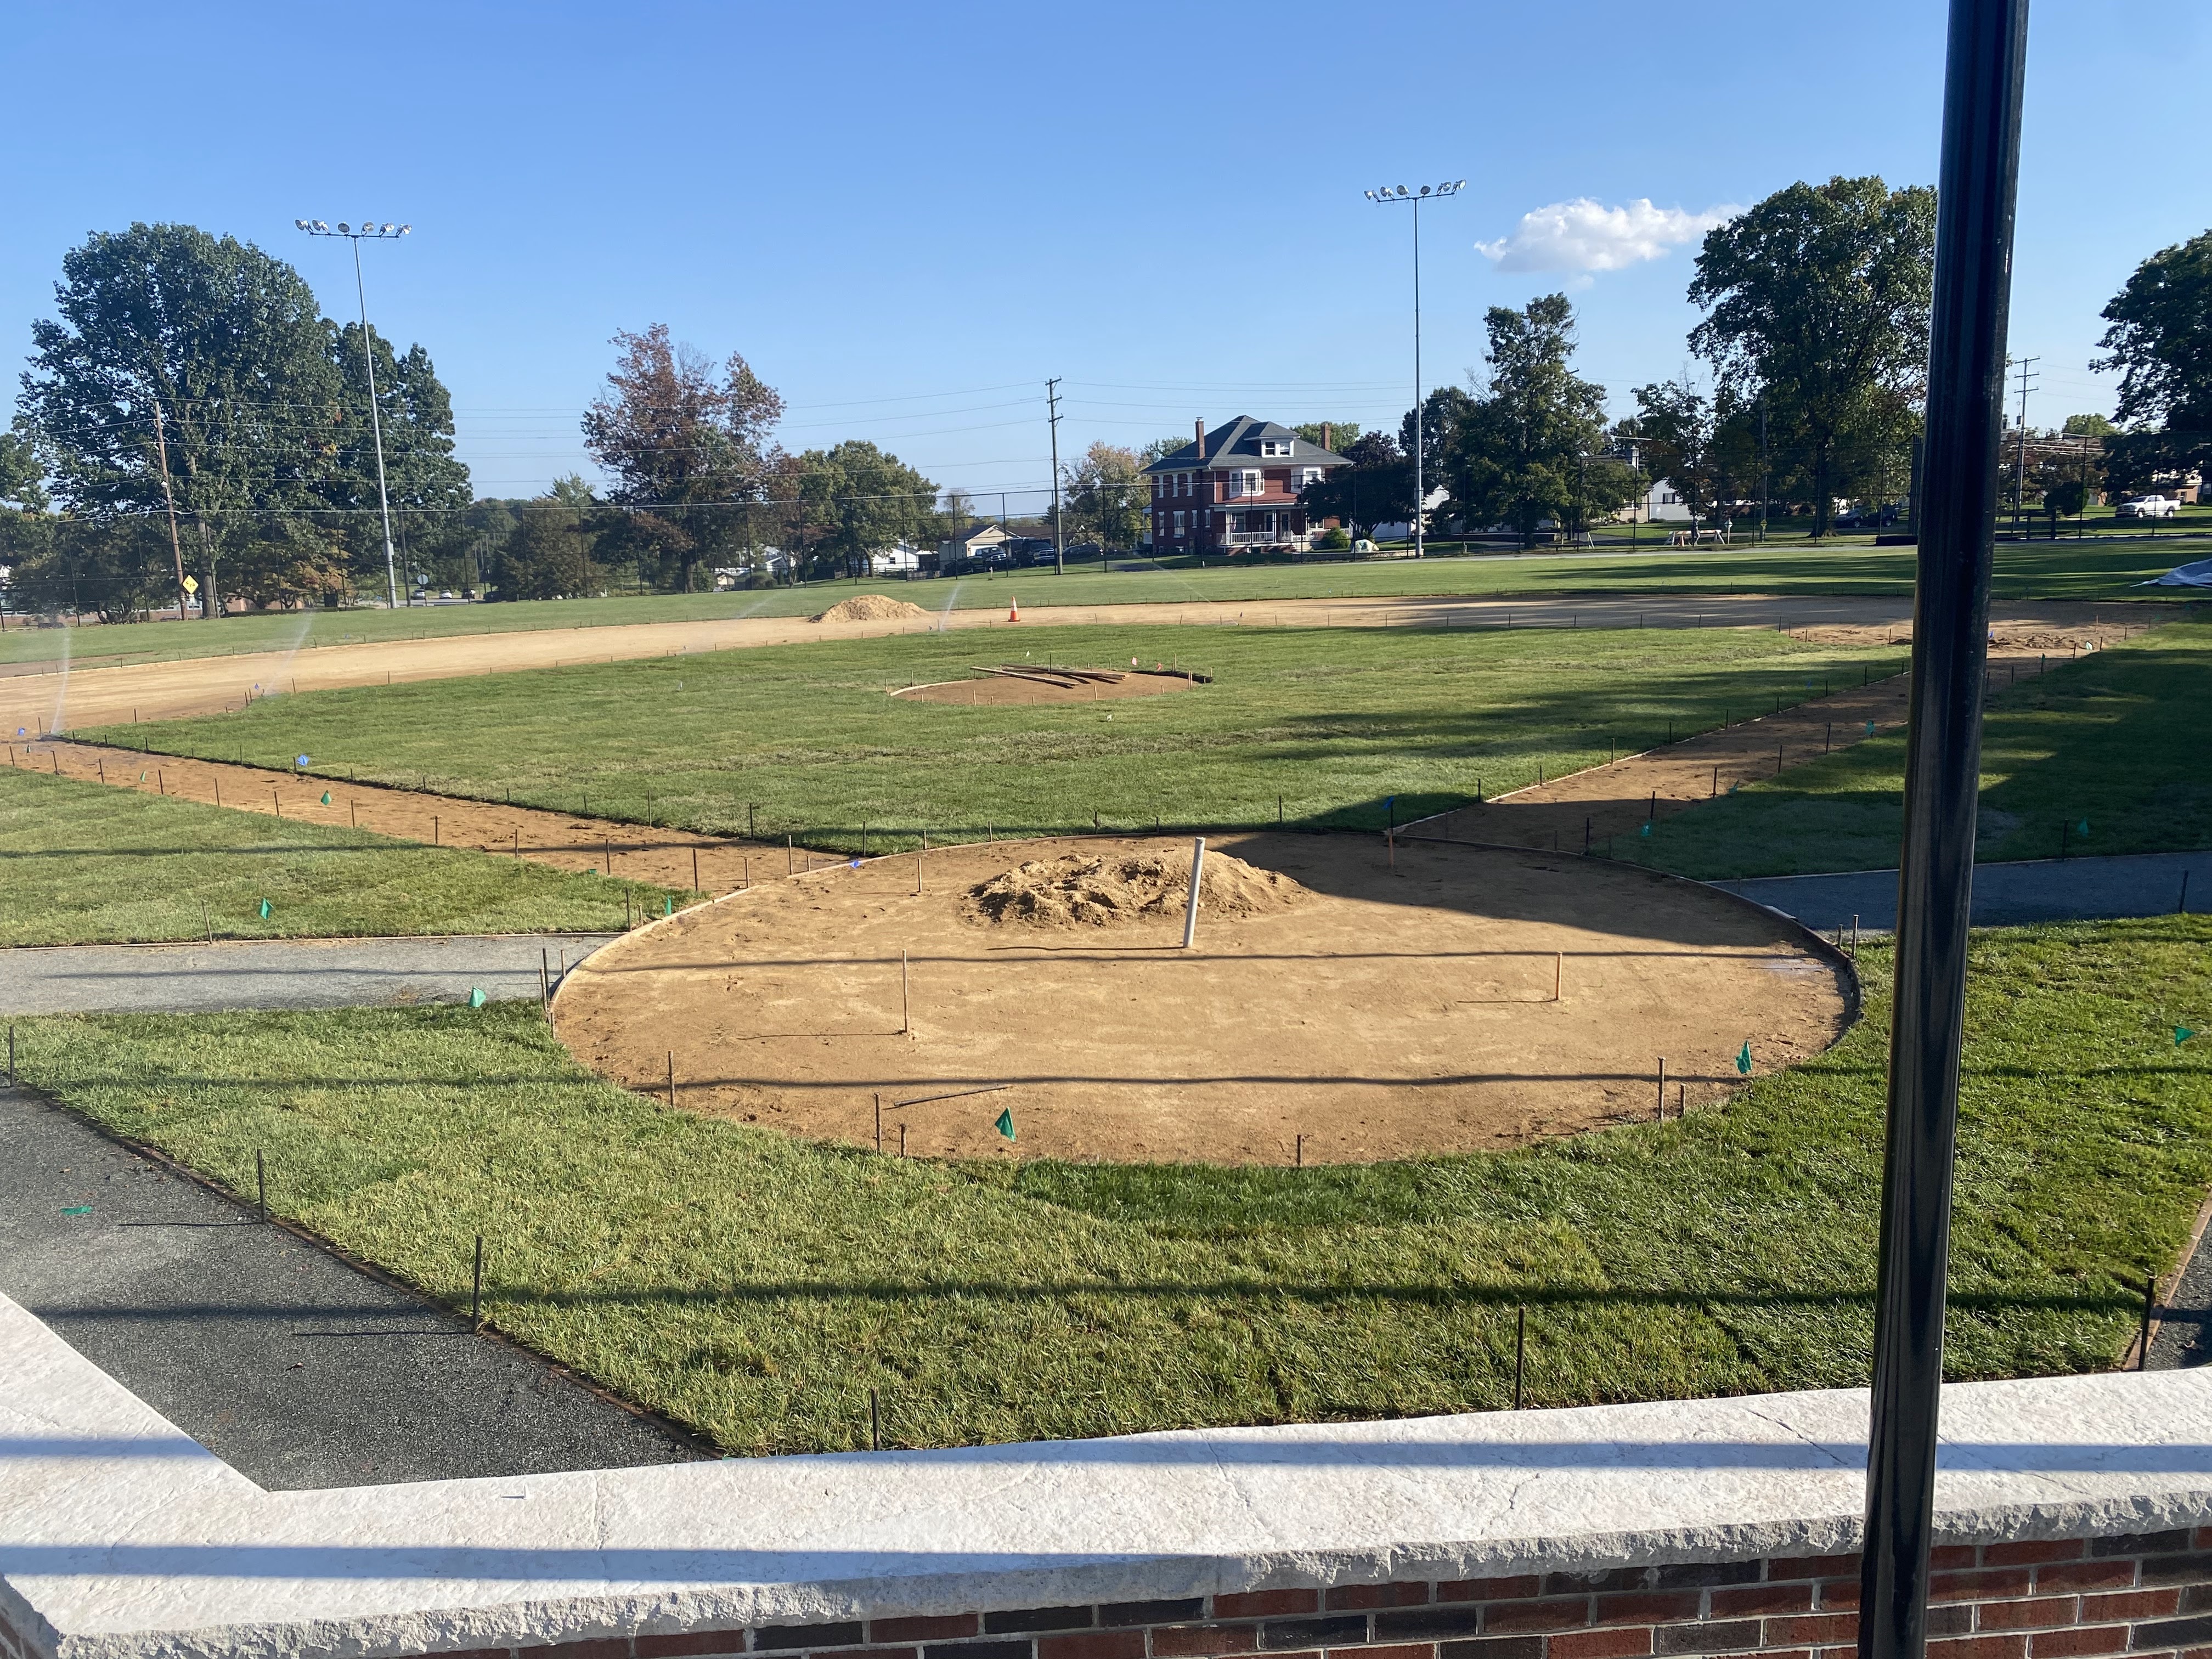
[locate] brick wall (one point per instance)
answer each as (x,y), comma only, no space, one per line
(2147,1595)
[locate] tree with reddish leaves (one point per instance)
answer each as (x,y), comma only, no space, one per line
(688,443)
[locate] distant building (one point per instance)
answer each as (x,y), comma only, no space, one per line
(979,543)
(894,561)
(1662,504)
(1236,487)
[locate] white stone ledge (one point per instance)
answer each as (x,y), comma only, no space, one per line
(120,1538)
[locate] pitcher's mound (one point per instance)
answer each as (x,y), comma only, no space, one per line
(1037,685)
(1077,891)
(869,607)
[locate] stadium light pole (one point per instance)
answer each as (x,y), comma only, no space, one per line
(1389,193)
(369,233)
(1976,184)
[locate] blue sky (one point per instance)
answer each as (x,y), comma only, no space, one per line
(906,217)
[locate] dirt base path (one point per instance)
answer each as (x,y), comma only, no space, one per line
(1590,808)
(667,857)
(1392,1010)
(62,701)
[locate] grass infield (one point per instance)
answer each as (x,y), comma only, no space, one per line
(758,1287)
(1350,727)
(84,863)
(2048,570)
(2116,741)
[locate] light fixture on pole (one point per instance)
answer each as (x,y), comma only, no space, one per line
(368,232)
(1391,193)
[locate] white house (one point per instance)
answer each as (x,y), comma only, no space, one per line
(894,561)
(1662,504)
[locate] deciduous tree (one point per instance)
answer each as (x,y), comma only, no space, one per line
(1377,488)
(688,443)
(1106,495)
(2160,340)
(182,360)
(1817,299)
(1526,447)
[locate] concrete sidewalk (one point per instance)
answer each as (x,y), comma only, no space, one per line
(2005,895)
(339,973)
(295,1367)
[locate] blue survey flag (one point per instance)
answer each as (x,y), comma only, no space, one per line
(300,761)
(475,996)
(1743,1059)
(1005,1126)
(264,910)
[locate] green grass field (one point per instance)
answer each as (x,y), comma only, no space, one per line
(758,1288)
(2116,740)
(2055,570)
(803,740)
(85,863)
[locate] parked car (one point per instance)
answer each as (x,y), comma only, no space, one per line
(2147,507)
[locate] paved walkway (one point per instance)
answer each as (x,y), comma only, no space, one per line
(307,973)
(2005,895)
(295,1367)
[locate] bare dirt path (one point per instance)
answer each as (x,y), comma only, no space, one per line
(1394,1009)
(1583,810)
(667,857)
(59,701)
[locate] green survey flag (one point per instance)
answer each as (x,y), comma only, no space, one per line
(1005,1126)
(326,798)
(1645,831)
(475,996)
(2082,829)
(667,904)
(264,910)
(1743,1059)
(2182,1033)
(1869,728)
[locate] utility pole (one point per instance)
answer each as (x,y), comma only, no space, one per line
(1765,487)
(176,552)
(2019,449)
(1400,193)
(1058,541)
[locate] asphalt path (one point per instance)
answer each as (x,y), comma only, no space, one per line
(319,972)
(294,1366)
(2005,895)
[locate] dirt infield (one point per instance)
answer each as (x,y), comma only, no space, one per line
(47,702)
(987,691)
(1389,1013)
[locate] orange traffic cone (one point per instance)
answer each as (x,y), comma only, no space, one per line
(1014,612)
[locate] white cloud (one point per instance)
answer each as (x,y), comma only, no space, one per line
(1584,236)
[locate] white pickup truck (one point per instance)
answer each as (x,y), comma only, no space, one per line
(2147,507)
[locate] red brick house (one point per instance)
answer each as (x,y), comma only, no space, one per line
(1236,487)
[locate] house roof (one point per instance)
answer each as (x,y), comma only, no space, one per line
(1239,441)
(977,529)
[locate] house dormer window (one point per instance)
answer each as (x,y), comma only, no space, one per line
(1274,446)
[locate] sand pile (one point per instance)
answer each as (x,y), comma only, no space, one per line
(1080,890)
(869,607)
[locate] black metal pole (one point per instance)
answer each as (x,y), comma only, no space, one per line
(1966,393)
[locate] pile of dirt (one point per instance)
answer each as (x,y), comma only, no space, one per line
(1078,890)
(869,607)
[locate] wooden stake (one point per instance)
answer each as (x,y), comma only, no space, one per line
(1520,1352)
(1662,1088)
(879,1126)
(906,1016)
(696,887)
(261,1183)
(672,1079)
(1558,972)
